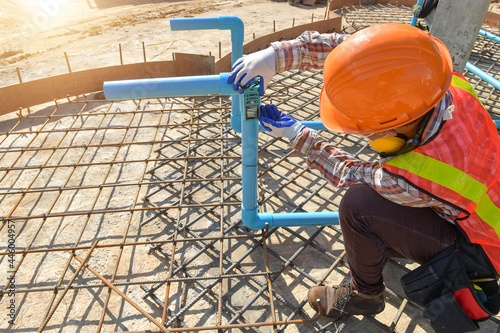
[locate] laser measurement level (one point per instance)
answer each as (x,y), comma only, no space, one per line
(252,101)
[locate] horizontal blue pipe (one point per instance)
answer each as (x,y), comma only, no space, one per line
(168,87)
(483,75)
(316,124)
(303,219)
(194,23)
(489,35)
(254,220)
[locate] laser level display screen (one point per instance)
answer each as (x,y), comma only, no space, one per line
(252,111)
(252,103)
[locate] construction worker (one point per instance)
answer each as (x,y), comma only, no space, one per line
(437,181)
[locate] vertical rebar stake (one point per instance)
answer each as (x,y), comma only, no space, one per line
(121,56)
(19,75)
(67,61)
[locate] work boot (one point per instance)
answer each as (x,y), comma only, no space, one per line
(341,301)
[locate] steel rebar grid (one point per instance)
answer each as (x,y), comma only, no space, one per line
(283,158)
(61,189)
(307,82)
(205,289)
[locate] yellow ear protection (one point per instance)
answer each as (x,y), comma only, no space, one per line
(388,144)
(396,145)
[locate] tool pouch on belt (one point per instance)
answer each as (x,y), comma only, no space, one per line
(443,287)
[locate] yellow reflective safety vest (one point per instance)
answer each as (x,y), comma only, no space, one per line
(461,168)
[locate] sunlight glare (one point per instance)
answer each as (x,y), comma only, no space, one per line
(46,14)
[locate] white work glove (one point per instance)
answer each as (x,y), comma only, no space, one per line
(249,67)
(278,123)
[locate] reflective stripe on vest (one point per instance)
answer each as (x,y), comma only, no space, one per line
(453,179)
(463,186)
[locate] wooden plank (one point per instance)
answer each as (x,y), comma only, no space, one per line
(330,25)
(31,93)
(193,64)
(492,19)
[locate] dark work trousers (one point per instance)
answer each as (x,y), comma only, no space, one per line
(375,228)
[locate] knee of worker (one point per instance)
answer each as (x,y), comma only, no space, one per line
(355,203)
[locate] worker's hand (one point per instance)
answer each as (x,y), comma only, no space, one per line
(249,67)
(278,123)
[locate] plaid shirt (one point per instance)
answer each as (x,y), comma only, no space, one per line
(338,167)
(307,51)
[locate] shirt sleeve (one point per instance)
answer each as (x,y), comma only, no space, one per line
(342,169)
(309,50)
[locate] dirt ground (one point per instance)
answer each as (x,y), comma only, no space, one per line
(35,35)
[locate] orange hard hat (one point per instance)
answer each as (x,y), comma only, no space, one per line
(382,77)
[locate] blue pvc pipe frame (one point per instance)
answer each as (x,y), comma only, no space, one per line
(249,128)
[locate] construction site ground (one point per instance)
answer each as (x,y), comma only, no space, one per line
(148,192)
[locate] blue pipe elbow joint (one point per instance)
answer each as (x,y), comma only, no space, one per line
(252,219)
(223,22)
(235,24)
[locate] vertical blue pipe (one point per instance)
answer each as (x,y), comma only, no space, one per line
(237,37)
(414,19)
(249,161)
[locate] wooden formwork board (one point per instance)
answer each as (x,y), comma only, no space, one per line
(31,93)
